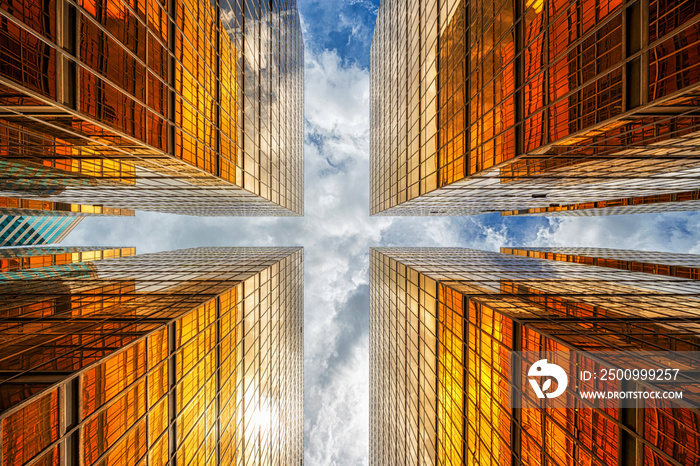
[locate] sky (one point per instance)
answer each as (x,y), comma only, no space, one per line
(337,231)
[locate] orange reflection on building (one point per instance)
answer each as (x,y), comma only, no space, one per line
(160,366)
(153,105)
(15,259)
(532,105)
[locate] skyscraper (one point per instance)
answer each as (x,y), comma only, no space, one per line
(34,231)
(444,324)
(534,106)
(185,357)
(191,107)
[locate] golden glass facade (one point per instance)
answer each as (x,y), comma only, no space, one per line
(49,258)
(686,201)
(189,107)
(185,357)
(443,326)
(512,106)
(29,207)
(660,263)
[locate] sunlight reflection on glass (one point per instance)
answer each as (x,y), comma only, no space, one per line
(261,420)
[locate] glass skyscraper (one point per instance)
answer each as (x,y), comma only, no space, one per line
(189,107)
(191,357)
(185,357)
(34,231)
(445,322)
(534,106)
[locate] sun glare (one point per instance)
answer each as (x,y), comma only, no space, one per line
(261,420)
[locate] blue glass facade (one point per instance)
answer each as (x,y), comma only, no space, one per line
(33,231)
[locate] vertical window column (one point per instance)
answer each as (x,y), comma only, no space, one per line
(516,373)
(519,75)
(217,106)
(217,373)
(67,23)
(70,413)
(631,452)
(636,23)
(172,64)
(172,393)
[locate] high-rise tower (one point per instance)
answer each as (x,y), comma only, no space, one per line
(191,107)
(185,357)
(535,107)
(445,325)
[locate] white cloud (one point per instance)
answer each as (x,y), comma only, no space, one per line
(336,100)
(336,95)
(366,4)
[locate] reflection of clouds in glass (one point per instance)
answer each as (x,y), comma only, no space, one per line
(270,95)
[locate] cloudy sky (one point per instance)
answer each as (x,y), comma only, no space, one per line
(337,230)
